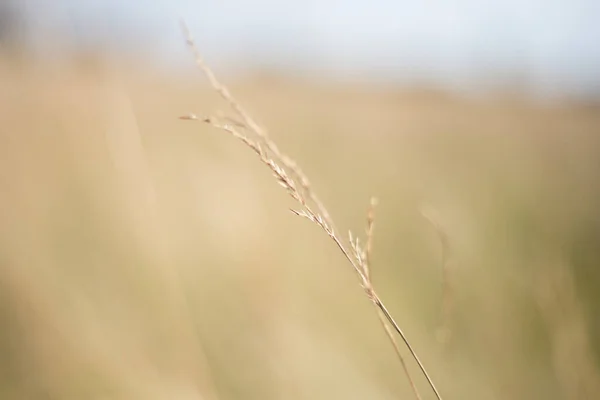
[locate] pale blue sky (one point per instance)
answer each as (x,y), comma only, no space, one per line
(552,45)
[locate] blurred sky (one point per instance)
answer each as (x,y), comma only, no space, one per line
(551,46)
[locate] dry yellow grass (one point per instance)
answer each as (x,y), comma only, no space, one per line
(143,257)
(311,207)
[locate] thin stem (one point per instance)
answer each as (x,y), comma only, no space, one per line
(320,217)
(251,124)
(391,320)
(390,335)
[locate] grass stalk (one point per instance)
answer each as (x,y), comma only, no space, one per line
(291,177)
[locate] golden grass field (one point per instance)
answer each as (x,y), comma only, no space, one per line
(147,257)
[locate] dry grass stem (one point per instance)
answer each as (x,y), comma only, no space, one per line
(365,257)
(253,126)
(298,187)
(390,334)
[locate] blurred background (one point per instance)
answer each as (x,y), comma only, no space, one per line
(146,257)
